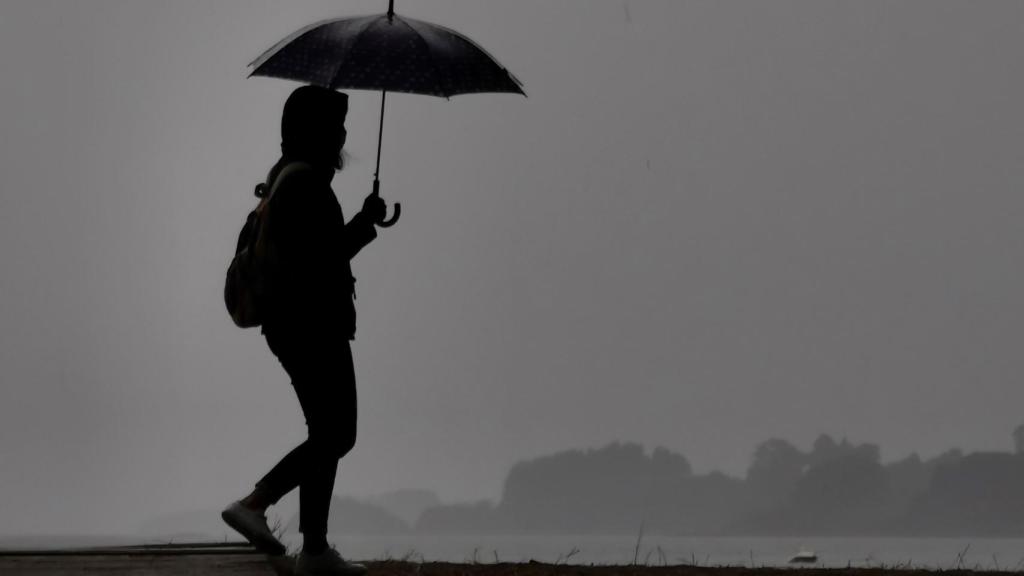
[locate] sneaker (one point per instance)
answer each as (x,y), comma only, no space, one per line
(327,563)
(253,526)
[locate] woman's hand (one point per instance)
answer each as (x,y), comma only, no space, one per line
(374,208)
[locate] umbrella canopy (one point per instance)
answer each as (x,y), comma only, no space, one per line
(386,52)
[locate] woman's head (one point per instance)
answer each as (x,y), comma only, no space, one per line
(313,126)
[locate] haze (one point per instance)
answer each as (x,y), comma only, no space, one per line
(710,223)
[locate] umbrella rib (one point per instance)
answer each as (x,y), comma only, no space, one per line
(437,72)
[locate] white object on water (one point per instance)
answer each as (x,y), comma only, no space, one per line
(804,557)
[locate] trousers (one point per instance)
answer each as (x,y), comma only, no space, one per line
(323,377)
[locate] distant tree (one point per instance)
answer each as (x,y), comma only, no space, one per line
(841,493)
(776,468)
(706,504)
(824,448)
(668,464)
(978,495)
(838,488)
(613,488)
(908,479)
(1018,439)
(593,490)
(949,457)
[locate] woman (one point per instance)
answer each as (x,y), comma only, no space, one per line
(310,321)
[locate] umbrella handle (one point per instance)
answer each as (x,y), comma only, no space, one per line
(387,222)
(394,217)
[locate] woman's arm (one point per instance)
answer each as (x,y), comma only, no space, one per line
(359,232)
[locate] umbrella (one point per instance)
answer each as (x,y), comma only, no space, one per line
(389,53)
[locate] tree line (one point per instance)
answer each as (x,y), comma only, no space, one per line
(835,488)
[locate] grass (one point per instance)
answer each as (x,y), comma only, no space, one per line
(413,563)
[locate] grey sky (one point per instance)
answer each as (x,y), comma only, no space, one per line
(709,224)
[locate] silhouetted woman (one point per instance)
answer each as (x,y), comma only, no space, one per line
(310,321)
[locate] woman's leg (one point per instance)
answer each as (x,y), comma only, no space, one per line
(284,477)
(330,405)
(324,380)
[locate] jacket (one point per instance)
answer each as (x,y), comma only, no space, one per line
(311,288)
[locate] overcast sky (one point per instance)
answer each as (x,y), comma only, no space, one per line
(710,223)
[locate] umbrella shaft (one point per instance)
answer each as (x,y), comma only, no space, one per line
(380,134)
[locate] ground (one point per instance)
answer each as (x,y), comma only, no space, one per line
(235,560)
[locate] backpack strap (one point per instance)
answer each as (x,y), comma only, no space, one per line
(292,168)
(261,214)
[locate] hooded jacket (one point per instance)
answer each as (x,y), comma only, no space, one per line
(311,288)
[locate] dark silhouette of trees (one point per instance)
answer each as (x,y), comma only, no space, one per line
(836,488)
(842,490)
(773,474)
(984,491)
(593,491)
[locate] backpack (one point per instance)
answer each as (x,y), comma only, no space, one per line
(245,288)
